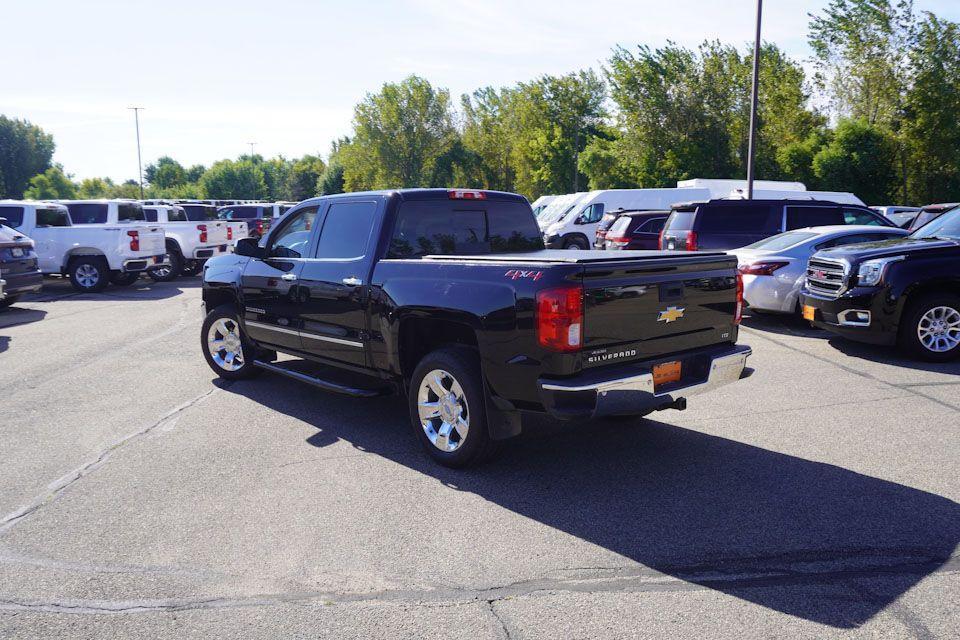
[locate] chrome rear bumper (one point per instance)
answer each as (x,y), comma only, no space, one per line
(631,391)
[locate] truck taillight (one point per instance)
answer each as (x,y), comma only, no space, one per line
(691,241)
(560,319)
(738,315)
(202,228)
(466,194)
(259,226)
(229,232)
(134,240)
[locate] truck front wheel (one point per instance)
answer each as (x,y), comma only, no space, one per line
(447,410)
(930,327)
(89,274)
(228,352)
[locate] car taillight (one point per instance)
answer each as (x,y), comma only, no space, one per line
(134,240)
(691,240)
(617,241)
(466,194)
(560,318)
(761,268)
(260,226)
(738,315)
(229,232)
(660,240)
(202,228)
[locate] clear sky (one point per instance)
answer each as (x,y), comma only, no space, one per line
(214,75)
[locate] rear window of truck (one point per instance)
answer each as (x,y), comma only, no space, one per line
(200,212)
(459,228)
(87,213)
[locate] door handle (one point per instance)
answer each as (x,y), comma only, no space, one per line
(352,281)
(289,277)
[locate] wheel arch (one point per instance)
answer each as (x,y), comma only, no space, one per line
(81,252)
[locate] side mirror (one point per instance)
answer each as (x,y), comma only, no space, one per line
(248,247)
(580,220)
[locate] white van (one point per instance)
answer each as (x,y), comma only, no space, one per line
(575,226)
(541,203)
(719,188)
(840,197)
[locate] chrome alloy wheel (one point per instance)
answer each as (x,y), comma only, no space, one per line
(88,276)
(223,341)
(444,413)
(164,271)
(939,329)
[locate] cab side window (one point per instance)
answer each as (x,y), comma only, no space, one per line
(293,239)
(592,214)
(346,230)
(14,216)
(858,216)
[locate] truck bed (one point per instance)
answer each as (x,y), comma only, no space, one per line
(566,256)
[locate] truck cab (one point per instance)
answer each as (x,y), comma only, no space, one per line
(189,244)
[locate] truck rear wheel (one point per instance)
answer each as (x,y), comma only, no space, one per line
(166,274)
(227,351)
(930,327)
(89,274)
(447,408)
(191,267)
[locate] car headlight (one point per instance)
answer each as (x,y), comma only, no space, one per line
(871,272)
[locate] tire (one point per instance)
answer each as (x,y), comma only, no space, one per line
(166,274)
(191,268)
(218,324)
(121,279)
(577,244)
(921,322)
(89,274)
(9,301)
(455,371)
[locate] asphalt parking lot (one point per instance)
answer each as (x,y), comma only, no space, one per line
(141,497)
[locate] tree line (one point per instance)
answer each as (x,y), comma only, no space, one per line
(878,117)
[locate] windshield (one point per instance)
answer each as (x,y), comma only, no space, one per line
(946,226)
(783,240)
(549,217)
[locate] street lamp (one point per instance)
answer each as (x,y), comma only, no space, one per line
(753,104)
(136,120)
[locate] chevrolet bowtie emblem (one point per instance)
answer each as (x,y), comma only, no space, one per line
(671,314)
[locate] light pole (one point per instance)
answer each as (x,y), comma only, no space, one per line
(136,120)
(251,147)
(751,145)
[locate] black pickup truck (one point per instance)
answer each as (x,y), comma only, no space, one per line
(449,297)
(904,291)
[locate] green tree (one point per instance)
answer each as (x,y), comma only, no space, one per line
(91,188)
(25,151)
(165,173)
(487,135)
(331,180)
(52,184)
(862,158)
(241,179)
(931,128)
(194,172)
(302,178)
(398,135)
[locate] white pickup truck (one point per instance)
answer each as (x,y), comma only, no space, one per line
(189,243)
(91,255)
(205,212)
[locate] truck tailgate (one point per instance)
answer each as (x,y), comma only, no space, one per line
(152,241)
(659,306)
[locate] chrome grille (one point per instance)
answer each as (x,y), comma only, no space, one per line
(826,276)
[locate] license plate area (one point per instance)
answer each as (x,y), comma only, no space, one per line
(809,313)
(666,372)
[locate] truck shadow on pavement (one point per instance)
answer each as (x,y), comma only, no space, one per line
(804,538)
(55,289)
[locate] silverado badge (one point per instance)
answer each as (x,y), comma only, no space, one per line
(671,314)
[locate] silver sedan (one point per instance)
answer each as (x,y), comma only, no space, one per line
(773,269)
